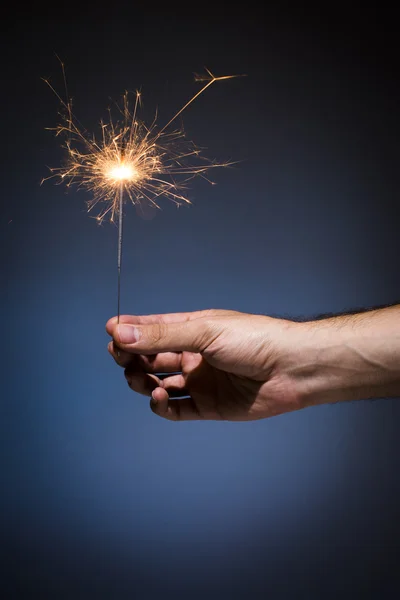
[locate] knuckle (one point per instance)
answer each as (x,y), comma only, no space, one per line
(209,332)
(157,332)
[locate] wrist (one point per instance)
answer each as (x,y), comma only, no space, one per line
(346,358)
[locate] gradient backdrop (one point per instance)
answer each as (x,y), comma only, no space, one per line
(101,499)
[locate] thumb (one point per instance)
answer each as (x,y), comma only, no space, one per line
(191,336)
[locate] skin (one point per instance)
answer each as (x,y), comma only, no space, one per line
(227,365)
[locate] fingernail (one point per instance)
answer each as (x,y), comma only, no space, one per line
(128,334)
(153,401)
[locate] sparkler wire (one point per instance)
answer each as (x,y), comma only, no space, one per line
(120,237)
(129,159)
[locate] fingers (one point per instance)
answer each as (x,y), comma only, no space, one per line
(123,359)
(184,409)
(144,384)
(167,362)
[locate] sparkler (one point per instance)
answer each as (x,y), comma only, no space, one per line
(129,159)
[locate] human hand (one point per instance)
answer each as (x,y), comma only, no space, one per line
(223,364)
(220,364)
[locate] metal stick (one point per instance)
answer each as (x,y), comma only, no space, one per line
(120,233)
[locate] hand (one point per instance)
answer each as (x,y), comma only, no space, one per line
(220,364)
(228,365)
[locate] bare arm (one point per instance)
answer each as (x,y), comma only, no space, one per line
(348,357)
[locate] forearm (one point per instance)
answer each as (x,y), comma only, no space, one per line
(349,357)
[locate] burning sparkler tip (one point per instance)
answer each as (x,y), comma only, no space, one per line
(132,159)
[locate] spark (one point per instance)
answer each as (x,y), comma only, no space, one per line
(129,160)
(146,162)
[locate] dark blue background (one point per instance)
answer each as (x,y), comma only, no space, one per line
(99,497)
